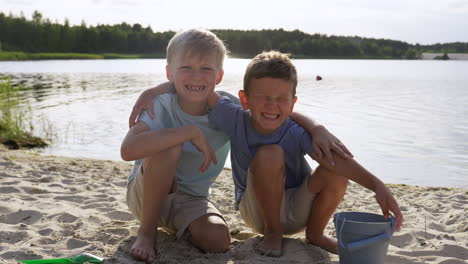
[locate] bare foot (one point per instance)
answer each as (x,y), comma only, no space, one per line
(271,245)
(327,243)
(143,248)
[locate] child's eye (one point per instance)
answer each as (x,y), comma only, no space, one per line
(207,69)
(185,67)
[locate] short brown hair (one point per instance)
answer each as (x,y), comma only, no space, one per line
(273,64)
(196,42)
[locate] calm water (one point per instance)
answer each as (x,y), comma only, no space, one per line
(403,120)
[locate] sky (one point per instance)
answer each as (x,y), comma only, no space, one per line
(412,21)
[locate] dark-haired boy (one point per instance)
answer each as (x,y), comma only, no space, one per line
(276,191)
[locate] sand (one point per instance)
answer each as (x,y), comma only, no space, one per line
(58,207)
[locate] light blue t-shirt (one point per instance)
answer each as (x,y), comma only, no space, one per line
(168,114)
(236,122)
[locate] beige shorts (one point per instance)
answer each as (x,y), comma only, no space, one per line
(295,208)
(179,209)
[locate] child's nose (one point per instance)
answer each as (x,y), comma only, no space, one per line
(270,103)
(197,74)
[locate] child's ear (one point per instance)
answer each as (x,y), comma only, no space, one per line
(168,73)
(220,77)
(292,104)
(243,99)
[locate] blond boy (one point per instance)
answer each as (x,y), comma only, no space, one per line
(169,187)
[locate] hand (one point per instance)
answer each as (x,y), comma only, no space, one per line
(388,204)
(325,142)
(200,142)
(144,102)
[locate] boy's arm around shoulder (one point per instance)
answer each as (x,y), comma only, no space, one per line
(213,98)
(324,142)
(144,101)
(224,112)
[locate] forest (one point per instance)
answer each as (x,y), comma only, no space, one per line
(40,35)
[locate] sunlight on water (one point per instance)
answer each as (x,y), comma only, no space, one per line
(403,120)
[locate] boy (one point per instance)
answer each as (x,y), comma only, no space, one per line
(275,190)
(165,186)
(165,189)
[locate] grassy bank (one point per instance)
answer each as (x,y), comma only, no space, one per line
(15,119)
(17,56)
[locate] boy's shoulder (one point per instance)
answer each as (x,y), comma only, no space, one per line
(166,99)
(293,127)
(231,97)
(291,131)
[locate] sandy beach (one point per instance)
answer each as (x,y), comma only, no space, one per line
(54,207)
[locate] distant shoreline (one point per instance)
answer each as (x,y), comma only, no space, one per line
(23,56)
(27,56)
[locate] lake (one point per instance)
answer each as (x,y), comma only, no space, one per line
(405,121)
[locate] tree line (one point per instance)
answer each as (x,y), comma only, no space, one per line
(38,34)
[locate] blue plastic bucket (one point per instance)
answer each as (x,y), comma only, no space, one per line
(363,238)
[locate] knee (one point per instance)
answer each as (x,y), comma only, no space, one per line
(216,239)
(338,184)
(328,179)
(271,155)
(210,233)
(220,238)
(172,153)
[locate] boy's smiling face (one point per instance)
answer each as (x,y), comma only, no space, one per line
(194,77)
(270,101)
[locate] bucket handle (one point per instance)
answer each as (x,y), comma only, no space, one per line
(366,242)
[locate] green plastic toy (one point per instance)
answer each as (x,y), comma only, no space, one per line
(79,259)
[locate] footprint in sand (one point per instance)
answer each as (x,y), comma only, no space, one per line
(73,243)
(67,182)
(66,218)
(23,216)
(5,210)
(9,183)
(34,190)
(13,237)
(45,231)
(401,240)
(5,175)
(121,232)
(46,241)
(15,255)
(9,189)
(443,251)
(120,215)
(104,196)
(6,162)
(72,198)
(401,260)
(55,185)
(452,261)
(100,206)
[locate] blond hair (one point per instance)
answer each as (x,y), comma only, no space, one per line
(273,64)
(196,42)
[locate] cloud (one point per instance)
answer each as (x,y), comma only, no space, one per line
(458,4)
(126,2)
(19,2)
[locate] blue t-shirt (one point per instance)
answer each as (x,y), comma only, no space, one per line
(189,179)
(236,122)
